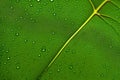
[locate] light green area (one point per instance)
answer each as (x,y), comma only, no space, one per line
(32,32)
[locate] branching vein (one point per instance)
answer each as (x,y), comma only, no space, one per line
(110,25)
(115,4)
(95,12)
(83,25)
(103,15)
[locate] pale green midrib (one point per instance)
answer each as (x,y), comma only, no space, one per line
(94,12)
(74,34)
(70,40)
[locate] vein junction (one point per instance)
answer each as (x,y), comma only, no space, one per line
(95,12)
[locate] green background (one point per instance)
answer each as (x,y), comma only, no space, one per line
(32,32)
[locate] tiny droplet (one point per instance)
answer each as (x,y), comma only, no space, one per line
(51,0)
(70,67)
(43,49)
(18,67)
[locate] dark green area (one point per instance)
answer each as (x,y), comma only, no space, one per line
(32,32)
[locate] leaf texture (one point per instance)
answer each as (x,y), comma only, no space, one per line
(60,40)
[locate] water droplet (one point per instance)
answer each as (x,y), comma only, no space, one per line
(21,17)
(11,7)
(70,67)
(58,70)
(44,4)
(33,42)
(26,41)
(53,33)
(17,1)
(17,67)
(17,34)
(65,19)
(4,63)
(31,18)
(8,58)
(54,14)
(39,55)
(38,0)
(7,51)
(43,49)
(101,74)
(110,46)
(16,19)
(26,10)
(51,0)
(31,5)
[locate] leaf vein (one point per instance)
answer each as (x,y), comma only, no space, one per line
(95,12)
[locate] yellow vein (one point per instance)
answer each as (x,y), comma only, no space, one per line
(70,39)
(66,43)
(100,6)
(95,12)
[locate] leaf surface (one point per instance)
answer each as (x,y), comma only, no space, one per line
(60,40)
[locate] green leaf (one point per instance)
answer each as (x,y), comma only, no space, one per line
(59,40)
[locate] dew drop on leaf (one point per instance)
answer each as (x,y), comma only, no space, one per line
(51,0)
(45,4)
(17,67)
(65,19)
(39,55)
(17,1)
(16,34)
(26,41)
(53,33)
(7,51)
(70,67)
(43,49)
(8,58)
(33,42)
(54,14)
(38,0)
(110,46)
(11,7)
(4,63)
(58,70)
(21,17)
(101,75)
(31,5)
